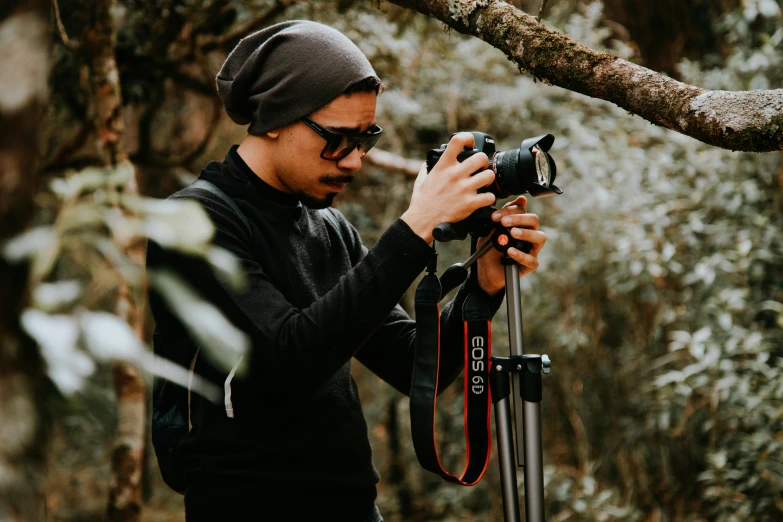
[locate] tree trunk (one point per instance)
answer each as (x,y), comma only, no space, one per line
(24,422)
(666,31)
(125,499)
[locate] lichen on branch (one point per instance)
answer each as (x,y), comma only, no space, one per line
(747,121)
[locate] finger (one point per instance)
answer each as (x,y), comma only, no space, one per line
(457,142)
(530,221)
(475,163)
(535,237)
(482,179)
(527,260)
(484,199)
(518,206)
(521,201)
(507,211)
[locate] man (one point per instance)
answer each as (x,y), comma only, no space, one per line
(293,443)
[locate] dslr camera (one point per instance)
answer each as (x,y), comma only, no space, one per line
(528,169)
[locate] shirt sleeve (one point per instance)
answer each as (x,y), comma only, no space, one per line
(314,342)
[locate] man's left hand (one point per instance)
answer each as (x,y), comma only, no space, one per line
(492,274)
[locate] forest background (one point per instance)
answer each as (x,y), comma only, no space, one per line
(659,297)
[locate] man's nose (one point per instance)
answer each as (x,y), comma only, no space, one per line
(352,161)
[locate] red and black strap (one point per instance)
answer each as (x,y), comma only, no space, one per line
(477,316)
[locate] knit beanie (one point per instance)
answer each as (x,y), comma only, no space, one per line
(286,71)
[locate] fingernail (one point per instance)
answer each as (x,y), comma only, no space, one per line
(506,220)
(495,216)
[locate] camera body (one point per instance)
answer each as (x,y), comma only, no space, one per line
(527,169)
(482,143)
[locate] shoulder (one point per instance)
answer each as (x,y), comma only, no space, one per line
(335,219)
(225,216)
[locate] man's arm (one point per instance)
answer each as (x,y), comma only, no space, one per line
(390,350)
(314,342)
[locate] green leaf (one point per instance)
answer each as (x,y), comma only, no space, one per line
(177,374)
(54,296)
(227,267)
(57,337)
(109,338)
(225,344)
(179,224)
(40,244)
(81,215)
(91,179)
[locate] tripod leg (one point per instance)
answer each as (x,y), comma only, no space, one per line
(534,463)
(504,432)
(528,385)
(516,345)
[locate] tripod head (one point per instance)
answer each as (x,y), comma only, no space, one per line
(501,240)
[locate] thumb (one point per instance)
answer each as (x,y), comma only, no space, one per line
(421,176)
(521,202)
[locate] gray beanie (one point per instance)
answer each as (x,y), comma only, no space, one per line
(286,71)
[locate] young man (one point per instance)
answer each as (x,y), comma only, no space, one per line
(294,444)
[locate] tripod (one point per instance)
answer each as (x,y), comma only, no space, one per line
(517,376)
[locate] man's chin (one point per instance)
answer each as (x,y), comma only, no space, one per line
(315,202)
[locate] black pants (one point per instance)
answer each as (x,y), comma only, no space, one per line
(260,513)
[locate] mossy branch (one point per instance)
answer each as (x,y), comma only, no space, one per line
(746,121)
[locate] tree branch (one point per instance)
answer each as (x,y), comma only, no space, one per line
(541,10)
(393,162)
(231,38)
(67,42)
(747,121)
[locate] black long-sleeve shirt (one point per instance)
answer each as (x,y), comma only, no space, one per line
(316,298)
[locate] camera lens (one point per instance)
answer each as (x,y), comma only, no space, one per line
(506,177)
(543,172)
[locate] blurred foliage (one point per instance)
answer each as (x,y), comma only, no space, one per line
(660,292)
(80,262)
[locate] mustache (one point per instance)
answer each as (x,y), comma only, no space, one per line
(336,178)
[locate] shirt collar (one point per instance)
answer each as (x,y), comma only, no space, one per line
(237,164)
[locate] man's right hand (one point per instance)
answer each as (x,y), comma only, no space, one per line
(449,193)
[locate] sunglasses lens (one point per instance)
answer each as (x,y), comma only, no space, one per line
(368,143)
(339,148)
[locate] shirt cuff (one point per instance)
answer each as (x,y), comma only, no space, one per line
(402,251)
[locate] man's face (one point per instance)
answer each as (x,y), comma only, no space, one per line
(300,168)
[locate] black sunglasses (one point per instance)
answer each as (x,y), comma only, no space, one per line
(339,145)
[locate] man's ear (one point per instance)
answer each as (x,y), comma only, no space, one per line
(273,134)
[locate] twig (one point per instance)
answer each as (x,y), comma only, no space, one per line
(232,37)
(541,10)
(394,162)
(66,41)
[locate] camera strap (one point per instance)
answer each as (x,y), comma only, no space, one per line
(477,317)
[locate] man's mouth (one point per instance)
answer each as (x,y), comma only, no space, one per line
(338,184)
